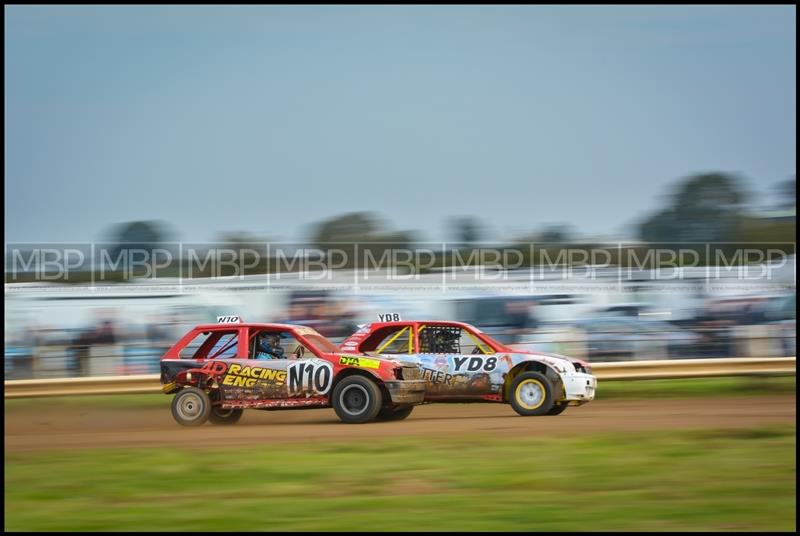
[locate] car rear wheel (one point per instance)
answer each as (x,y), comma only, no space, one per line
(224,416)
(356,399)
(191,406)
(391,413)
(531,394)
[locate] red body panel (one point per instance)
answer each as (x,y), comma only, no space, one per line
(204,372)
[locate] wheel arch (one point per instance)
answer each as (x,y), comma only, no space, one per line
(346,373)
(535,366)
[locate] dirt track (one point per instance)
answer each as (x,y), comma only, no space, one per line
(64,427)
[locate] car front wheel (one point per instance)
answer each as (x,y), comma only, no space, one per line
(531,394)
(356,399)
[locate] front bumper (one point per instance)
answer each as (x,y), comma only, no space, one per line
(579,387)
(406,391)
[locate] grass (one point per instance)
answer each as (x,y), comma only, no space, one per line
(693,480)
(607,390)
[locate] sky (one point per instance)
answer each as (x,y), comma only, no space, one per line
(266,119)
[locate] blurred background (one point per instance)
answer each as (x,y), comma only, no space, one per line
(636,301)
(198,159)
(613,183)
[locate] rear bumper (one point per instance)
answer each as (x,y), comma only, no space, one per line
(579,387)
(406,391)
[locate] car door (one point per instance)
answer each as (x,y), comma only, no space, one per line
(457,364)
(244,377)
(295,376)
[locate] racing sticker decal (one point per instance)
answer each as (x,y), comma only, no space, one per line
(350,344)
(246,376)
(474,364)
(243,381)
(214,368)
(363,362)
(462,375)
(389,317)
(310,376)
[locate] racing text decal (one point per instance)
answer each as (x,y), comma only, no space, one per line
(239,376)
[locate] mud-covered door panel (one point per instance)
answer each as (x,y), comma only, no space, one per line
(455,363)
(249,379)
(278,366)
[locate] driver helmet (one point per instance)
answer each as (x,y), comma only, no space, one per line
(272,338)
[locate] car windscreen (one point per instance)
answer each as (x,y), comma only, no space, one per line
(321,342)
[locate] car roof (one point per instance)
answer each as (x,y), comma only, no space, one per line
(374,325)
(282,327)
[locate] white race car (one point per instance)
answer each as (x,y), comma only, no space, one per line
(461,363)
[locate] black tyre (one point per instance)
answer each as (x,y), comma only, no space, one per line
(531,394)
(558,408)
(356,399)
(391,413)
(191,406)
(224,416)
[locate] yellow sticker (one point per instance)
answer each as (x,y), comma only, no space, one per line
(363,362)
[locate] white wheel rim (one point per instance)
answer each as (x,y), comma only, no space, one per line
(190,406)
(531,394)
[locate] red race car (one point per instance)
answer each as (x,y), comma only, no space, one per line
(217,370)
(460,363)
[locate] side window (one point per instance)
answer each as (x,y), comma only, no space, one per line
(440,340)
(471,344)
(189,351)
(225,346)
(266,344)
(390,340)
(398,342)
(212,345)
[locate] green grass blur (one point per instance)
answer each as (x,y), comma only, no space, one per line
(607,390)
(689,480)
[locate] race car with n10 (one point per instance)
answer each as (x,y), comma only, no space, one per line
(460,363)
(216,371)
